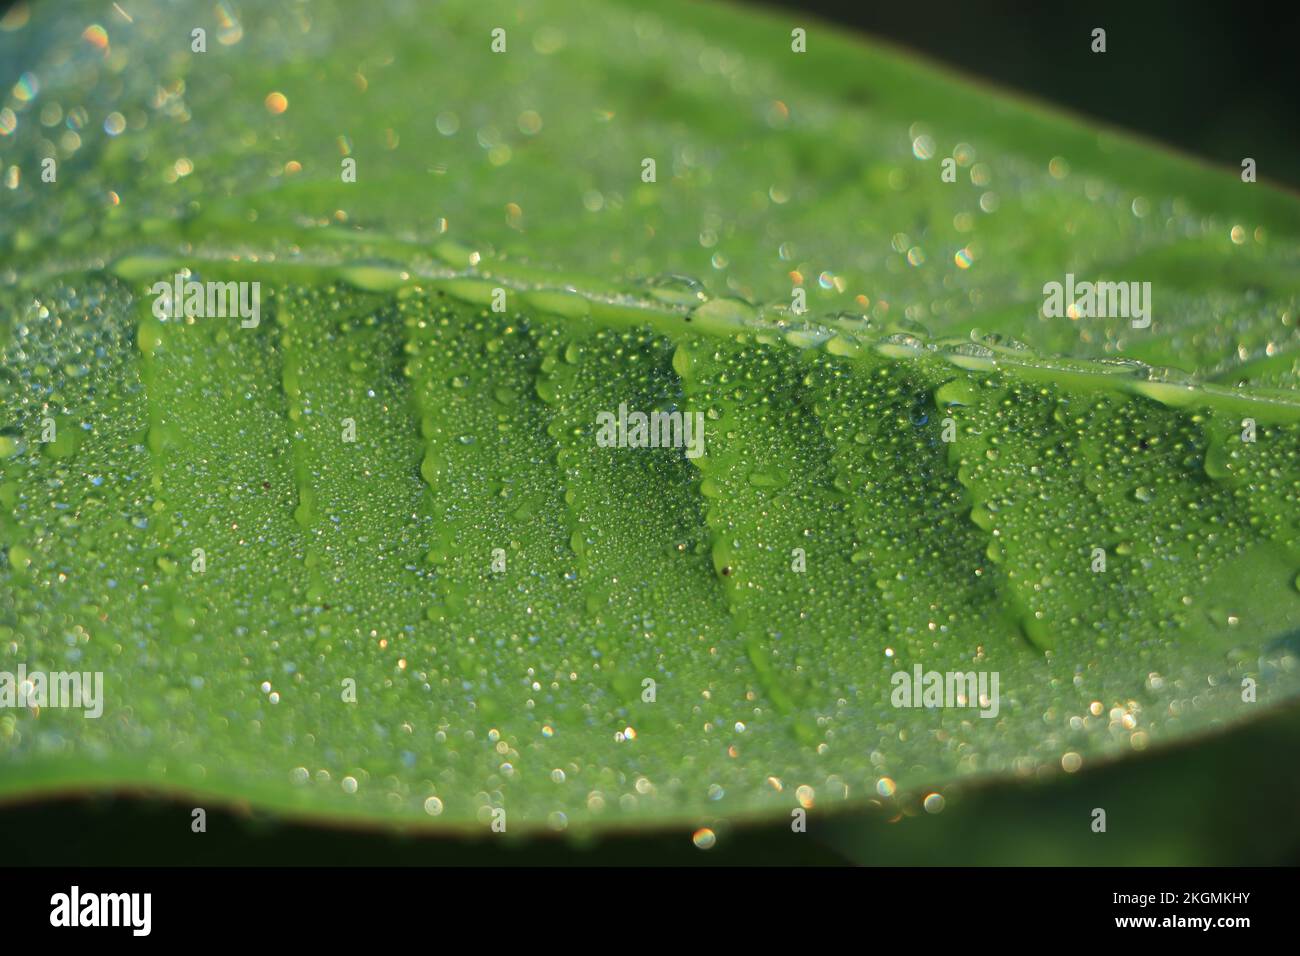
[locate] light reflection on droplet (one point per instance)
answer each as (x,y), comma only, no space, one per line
(96,36)
(530,122)
(26,88)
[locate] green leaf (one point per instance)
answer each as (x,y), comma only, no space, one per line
(497,586)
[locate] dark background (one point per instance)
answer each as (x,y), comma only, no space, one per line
(1214,80)
(1217,80)
(1226,800)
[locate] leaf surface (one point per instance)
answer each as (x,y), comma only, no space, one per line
(497,586)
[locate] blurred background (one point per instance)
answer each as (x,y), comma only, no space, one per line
(1213,79)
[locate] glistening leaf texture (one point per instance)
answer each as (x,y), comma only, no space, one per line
(378,561)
